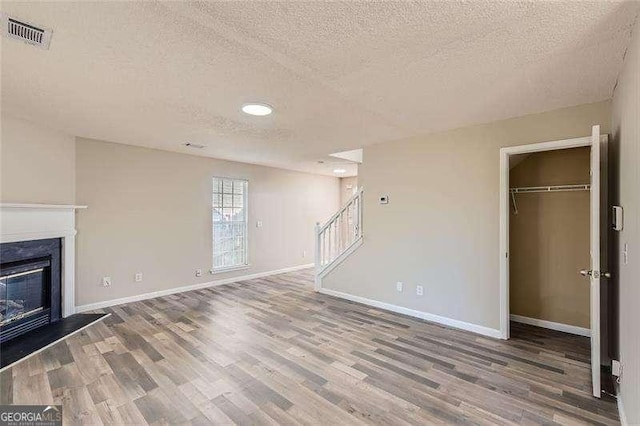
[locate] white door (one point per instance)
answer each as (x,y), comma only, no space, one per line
(594,272)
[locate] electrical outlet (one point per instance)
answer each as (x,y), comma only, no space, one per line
(259,224)
(138,277)
(625,254)
(399,286)
(106,281)
(419,290)
(198,272)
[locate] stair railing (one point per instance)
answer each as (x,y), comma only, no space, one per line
(339,233)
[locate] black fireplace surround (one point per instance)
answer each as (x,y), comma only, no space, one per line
(30,286)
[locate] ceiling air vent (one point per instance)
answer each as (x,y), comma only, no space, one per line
(26,32)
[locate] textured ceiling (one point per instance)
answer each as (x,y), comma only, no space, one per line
(341,75)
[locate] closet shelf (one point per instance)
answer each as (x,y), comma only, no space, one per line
(552,188)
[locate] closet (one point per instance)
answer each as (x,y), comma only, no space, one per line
(549,239)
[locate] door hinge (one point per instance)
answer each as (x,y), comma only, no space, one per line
(595,274)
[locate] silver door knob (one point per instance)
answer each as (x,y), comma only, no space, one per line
(585,273)
(606,274)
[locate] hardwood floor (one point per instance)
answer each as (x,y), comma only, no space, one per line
(271,351)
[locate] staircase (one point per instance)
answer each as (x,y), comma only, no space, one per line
(339,237)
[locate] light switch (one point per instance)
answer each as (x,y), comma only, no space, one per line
(259,224)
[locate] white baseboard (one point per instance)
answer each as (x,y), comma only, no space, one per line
(474,328)
(160,293)
(621,413)
(571,329)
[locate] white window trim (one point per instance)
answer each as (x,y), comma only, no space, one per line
(246,265)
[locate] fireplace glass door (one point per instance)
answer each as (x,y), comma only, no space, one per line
(22,294)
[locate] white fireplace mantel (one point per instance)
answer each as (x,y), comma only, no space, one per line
(26,222)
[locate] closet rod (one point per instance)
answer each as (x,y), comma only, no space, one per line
(552,188)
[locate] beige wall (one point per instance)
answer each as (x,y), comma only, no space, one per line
(440,229)
(37,165)
(347,186)
(626,145)
(150,212)
(549,239)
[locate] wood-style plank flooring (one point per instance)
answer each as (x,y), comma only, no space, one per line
(271,351)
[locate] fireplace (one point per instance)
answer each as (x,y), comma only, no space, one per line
(30,286)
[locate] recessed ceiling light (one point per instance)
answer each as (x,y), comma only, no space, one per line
(339,171)
(257,109)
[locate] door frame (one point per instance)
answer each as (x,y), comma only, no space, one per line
(505,210)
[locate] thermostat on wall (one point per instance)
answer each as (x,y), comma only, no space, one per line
(384,199)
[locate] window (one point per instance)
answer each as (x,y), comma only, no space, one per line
(229,216)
